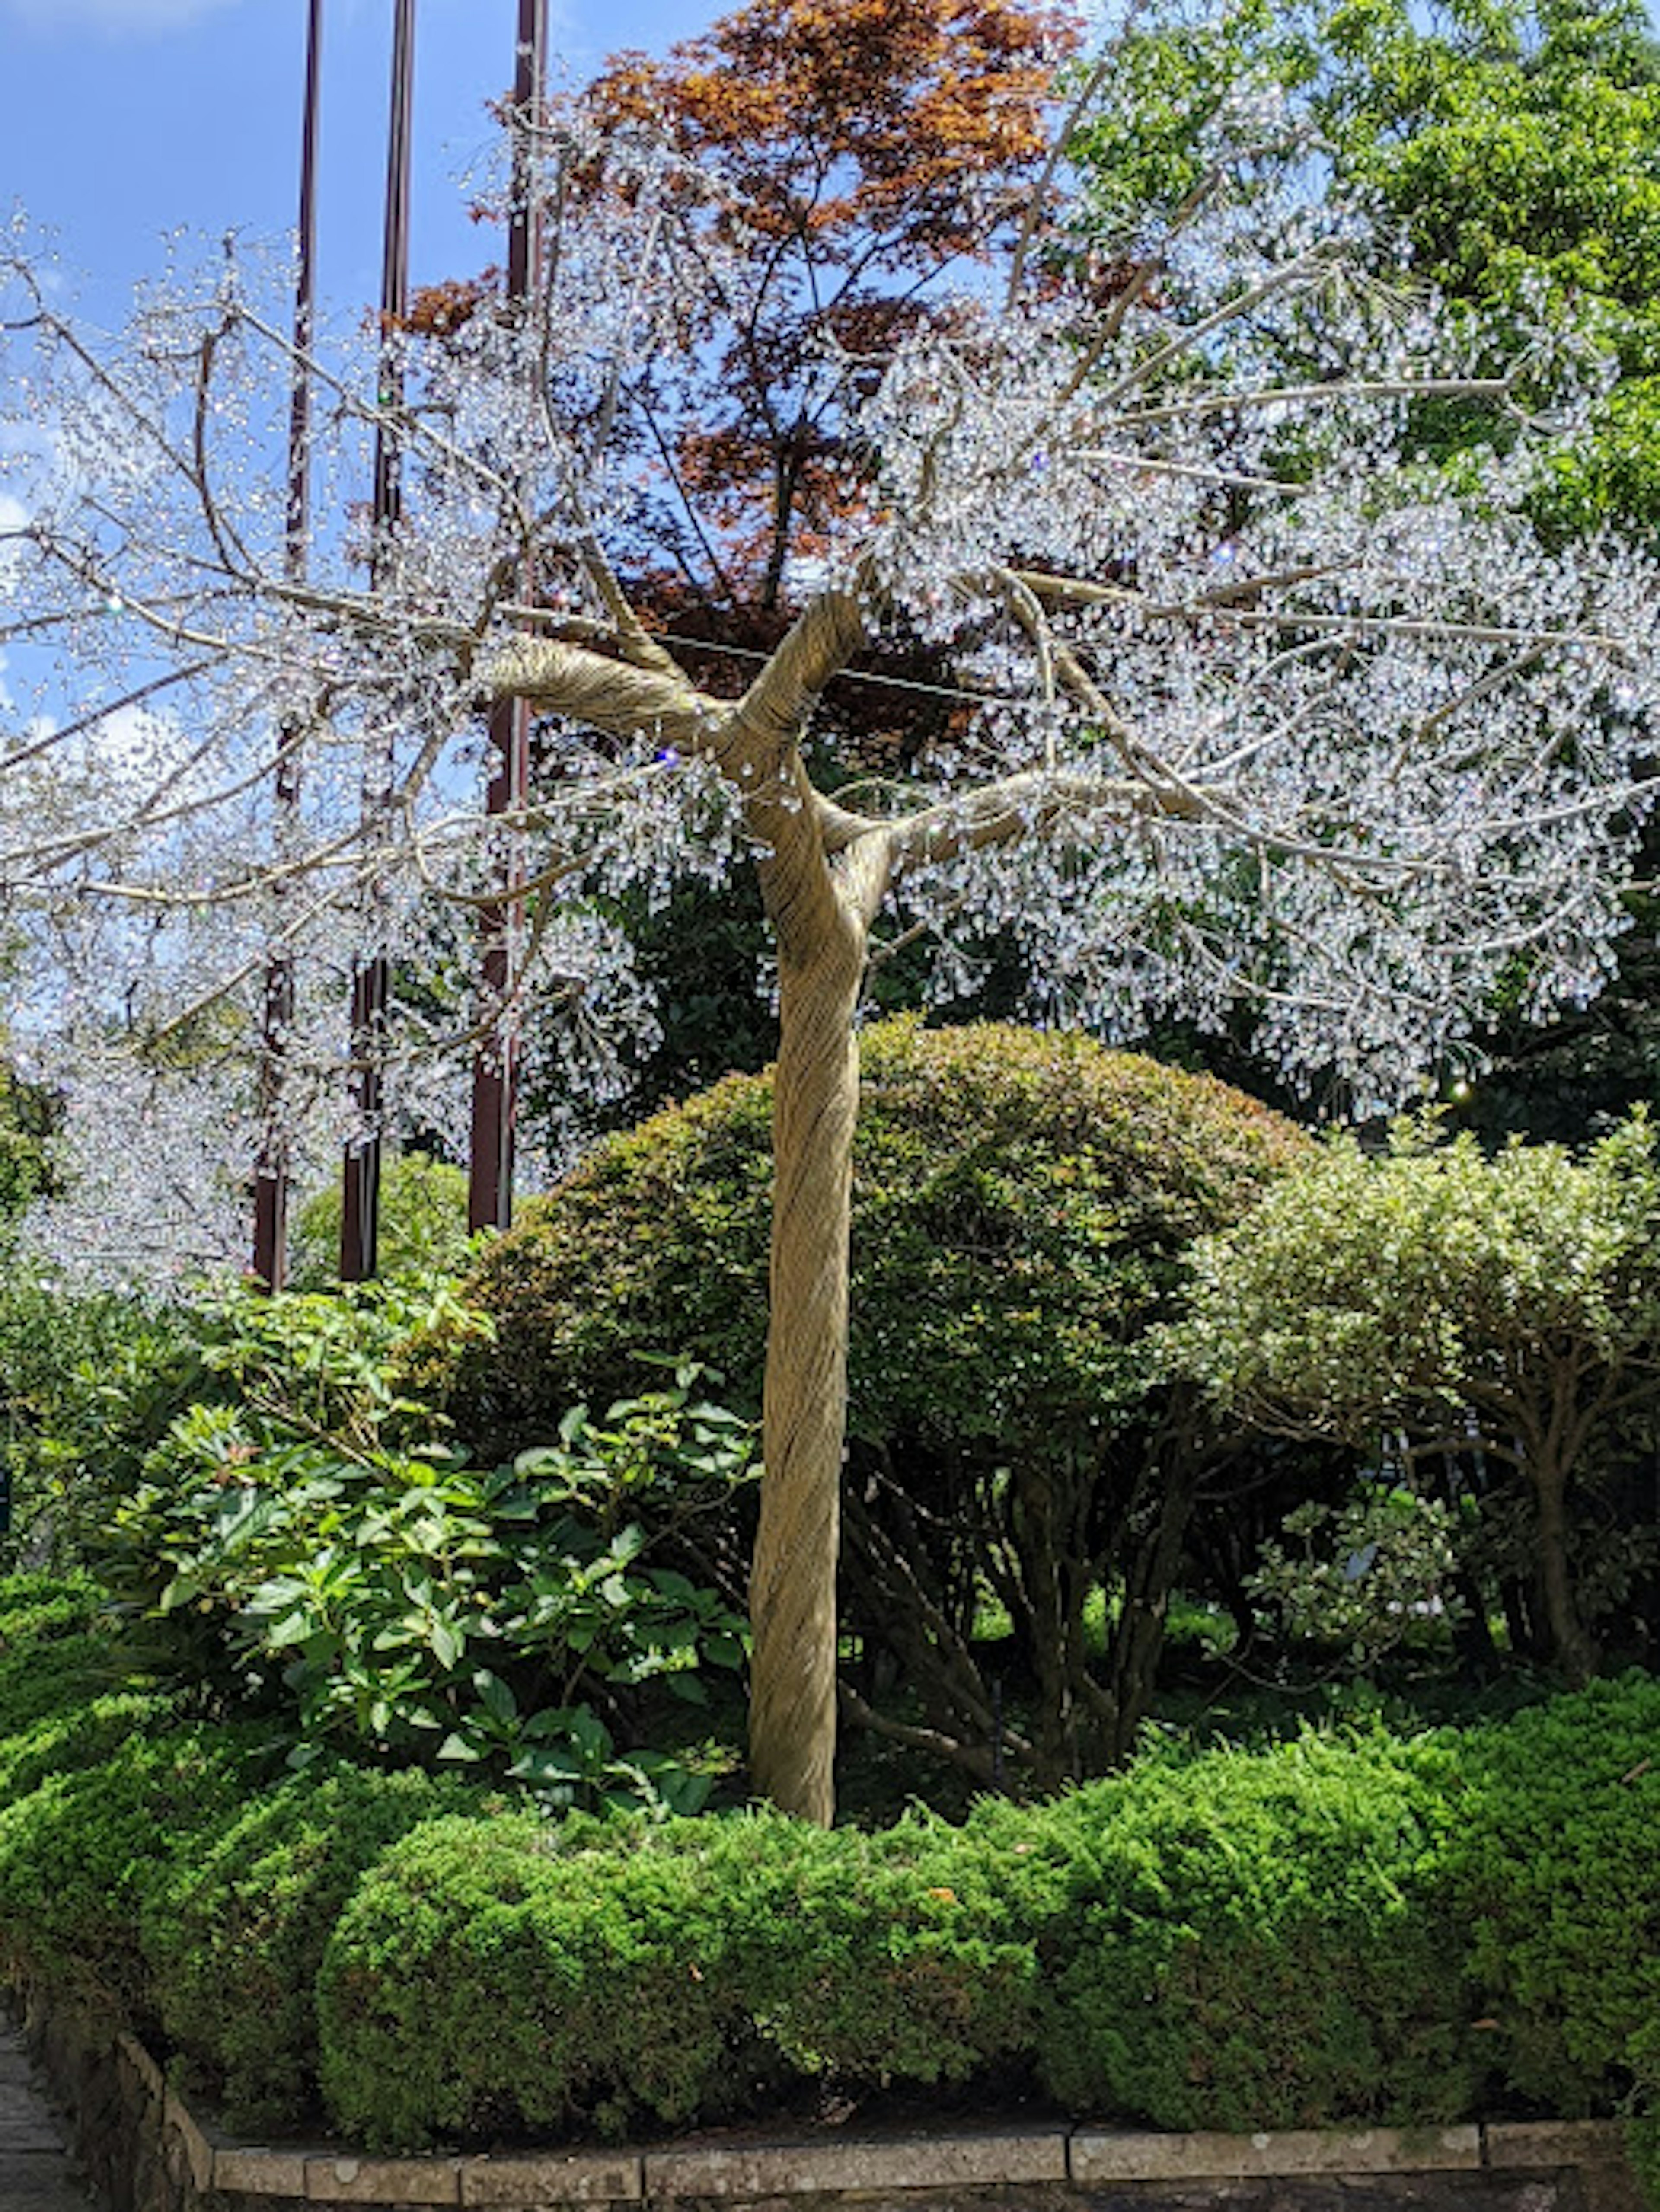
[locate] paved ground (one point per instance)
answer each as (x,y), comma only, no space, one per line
(35,2173)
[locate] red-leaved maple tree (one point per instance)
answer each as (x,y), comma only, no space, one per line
(866,147)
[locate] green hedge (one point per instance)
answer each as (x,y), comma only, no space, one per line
(1323,1931)
(484,1979)
(81,1855)
(1554,1868)
(232,1940)
(1282,1938)
(1264,1940)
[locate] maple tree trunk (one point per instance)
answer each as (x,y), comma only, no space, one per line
(793,1584)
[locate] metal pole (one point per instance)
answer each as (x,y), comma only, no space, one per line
(495,1061)
(360,1193)
(270,1189)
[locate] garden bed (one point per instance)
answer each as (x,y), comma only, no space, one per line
(1359,1931)
(150,2151)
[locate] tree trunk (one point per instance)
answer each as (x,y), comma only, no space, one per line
(793,1585)
(1572,1646)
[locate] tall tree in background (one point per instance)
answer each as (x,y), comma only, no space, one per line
(1511,159)
(1263,708)
(1520,150)
(869,154)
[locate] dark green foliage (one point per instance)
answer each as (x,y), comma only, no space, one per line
(1257,1940)
(26,1124)
(1555,1872)
(300,1544)
(703,960)
(1019,1200)
(235,1939)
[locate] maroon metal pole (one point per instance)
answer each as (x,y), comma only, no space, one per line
(360,1193)
(495,1061)
(270,1189)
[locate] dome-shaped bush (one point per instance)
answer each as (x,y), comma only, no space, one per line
(1021,1202)
(1020,1199)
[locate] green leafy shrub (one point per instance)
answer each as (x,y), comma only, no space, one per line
(381,1597)
(1371,1574)
(1553,1875)
(82,1853)
(88,1381)
(484,1979)
(234,1939)
(1018,1197)
(76,1736)
(1509,1303)
(1259,1941)
(422,1224)
(26,1125)
(91,1385)
(1021,1202)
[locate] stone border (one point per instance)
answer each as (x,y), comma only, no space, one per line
(856,2165)
(152,2154)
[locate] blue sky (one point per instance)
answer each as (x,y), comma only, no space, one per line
(124,120)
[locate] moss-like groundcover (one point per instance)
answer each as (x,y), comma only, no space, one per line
(1366,1930)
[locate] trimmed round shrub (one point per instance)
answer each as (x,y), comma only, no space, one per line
(1257,1940)
(1020,1199)
(234,1938)
(1022,1202)
(492,1979)
(81,1855)
(870,1960)
(511,1979)
(1555,1875)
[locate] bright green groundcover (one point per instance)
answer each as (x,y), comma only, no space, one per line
(1356,1929)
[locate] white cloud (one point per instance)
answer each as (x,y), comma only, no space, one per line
(128,18)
